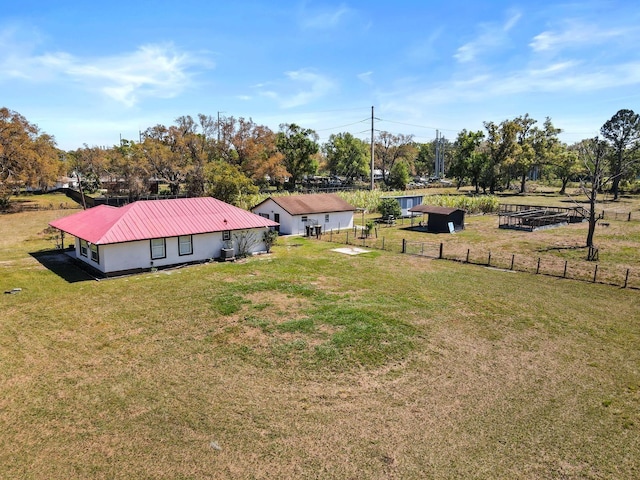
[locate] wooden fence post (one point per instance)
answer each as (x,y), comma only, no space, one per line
(595,273)
(468,249)
(513,258)
(347,237)
(626,279)
(564,274)
(489,259)
(383,243)
(538,267)
(440,255)
(404,246)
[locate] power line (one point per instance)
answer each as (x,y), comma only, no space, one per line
(342,126)
(419,126)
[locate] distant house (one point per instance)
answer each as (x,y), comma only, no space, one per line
(161,233)
(407,202)
(441,219)
(66,182)
(295,213)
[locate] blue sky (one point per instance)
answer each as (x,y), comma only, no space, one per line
(88,72)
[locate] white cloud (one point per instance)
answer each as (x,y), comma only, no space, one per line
(575,35)
(324,19)
(569,76)
(366,77)
(492,37)
(301,87)
(160,71)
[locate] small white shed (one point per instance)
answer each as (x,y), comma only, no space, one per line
(295,213)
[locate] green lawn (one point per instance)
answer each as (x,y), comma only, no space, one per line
(307,363)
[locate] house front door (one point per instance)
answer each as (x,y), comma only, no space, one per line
(276,218)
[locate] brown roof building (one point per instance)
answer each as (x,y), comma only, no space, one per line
(295,213)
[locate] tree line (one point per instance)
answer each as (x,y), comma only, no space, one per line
(230,157)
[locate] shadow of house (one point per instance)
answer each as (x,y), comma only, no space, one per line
(63,265)
(441,219)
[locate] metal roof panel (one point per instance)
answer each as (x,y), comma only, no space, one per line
(147,219)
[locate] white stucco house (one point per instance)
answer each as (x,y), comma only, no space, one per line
(161,233)
(294,213)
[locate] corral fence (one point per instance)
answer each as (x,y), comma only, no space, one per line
(112,200)
(593,272)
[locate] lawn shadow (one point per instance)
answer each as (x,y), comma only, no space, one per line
(62,265)
(421,229)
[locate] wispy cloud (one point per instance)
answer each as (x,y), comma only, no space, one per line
(492,36)
(300,87)
(366,77)
(325,18)
(575,34)
(160,71)
(568,76)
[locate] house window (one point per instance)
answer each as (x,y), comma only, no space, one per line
(158,249)
(264,215)
(326,218)
(84,248)
(94,253)
(304,219)
(226,235)
(185,245)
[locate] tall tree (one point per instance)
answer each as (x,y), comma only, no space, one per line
(525,158)
(192,146)
(88,165)
(46,166)
(298,146)
(226,182)
(424,160)
(399,175)
(389,149)
(27,157)
(168,163)
(623,134)
(129,168)
(468,159)
(346,156)
(252,147)
(502,149)
(565,164)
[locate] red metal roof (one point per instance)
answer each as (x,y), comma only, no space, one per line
(147,219)
(311,203)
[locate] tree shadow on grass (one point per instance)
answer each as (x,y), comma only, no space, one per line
(62,265)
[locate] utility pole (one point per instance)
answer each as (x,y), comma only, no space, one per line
(439,162)
(372,150)
(219,126)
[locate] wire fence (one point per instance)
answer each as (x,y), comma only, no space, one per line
(619,215)
(594,272)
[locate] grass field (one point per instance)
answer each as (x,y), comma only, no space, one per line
(307,363)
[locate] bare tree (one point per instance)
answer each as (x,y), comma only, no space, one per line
(593,153)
